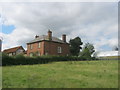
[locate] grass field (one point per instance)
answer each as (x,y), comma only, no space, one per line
(79,74)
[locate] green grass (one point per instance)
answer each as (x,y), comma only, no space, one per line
(110,57)
(79,74)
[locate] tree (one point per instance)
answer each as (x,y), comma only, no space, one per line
(116,48)
(75,46)
(95,54)
(85,53)
(88,50)
(90,47)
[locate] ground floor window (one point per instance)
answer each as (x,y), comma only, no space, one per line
(46,53)
(13,53)
(59,50)
(31,54)
(38,53)
(10,54)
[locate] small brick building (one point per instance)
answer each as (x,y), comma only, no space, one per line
(14,51)
(48,45)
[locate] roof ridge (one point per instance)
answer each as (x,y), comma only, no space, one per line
(13,48)
(44,37)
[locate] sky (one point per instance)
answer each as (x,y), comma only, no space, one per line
(93,22)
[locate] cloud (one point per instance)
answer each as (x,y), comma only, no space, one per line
(93,22)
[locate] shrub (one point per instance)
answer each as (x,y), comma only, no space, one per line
(7,60)
(22,60)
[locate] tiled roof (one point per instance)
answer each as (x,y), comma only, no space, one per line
(45,37)
(12,49)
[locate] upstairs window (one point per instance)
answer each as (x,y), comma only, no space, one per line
(31,47)
(59,50)
(39,45)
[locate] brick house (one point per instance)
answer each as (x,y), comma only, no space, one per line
(48,45)
(14,51)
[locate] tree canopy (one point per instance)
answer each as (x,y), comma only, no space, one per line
(116,48)
(87,50)
(75,46)
(90,47)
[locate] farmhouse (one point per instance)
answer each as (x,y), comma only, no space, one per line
(48,45)
(14,51)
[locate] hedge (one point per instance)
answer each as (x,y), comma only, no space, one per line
(22,60)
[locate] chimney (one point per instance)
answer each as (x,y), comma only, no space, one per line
(64,38)
(36,36)
(49,35)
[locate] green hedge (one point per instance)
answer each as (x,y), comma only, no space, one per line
(22,60)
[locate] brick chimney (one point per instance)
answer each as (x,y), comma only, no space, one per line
(36,36)
(49,35)
(64,38)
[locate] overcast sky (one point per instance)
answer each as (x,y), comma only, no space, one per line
(93,22)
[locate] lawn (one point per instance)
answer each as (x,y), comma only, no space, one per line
(75,74)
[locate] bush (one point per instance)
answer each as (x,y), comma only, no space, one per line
(7,60)
(22,60)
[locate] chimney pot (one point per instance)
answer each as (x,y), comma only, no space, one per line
(36,36)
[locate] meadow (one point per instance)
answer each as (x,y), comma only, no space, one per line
(64,74)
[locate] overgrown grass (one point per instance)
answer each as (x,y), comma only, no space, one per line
(68,74)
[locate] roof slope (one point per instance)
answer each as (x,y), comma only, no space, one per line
(45,37)
(12,49)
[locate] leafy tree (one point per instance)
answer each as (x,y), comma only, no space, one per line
(75,46)
(87,51)
(90,48)
(95,54)
(116,48)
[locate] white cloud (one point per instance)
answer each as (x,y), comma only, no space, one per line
(93,22)
(59,1)
(17,37)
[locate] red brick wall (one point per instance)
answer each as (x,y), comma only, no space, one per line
(35,48)
(52,47)
(49,47)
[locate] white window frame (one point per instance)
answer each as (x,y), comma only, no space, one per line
(10,54)
(31,46)
(14,53)
(59,49)
(31,54)
(38,54)
(39,45)
(46,53)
